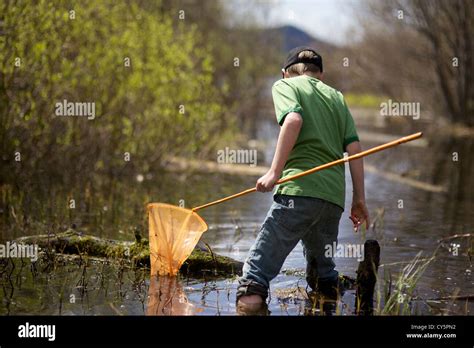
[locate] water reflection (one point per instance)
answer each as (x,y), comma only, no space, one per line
(166,296)
(318,304)
(425,218)
(454,166)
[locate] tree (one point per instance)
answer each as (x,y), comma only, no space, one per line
(149,78)
(448,26)
(422,44)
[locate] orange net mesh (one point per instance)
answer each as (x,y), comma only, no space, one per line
(174,232)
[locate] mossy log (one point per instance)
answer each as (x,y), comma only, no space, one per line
(201,263)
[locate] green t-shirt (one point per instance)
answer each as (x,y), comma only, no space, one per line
(327,129)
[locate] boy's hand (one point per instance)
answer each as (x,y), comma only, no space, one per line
(267,182)
(359,214)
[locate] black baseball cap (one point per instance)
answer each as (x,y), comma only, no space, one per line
(292,58)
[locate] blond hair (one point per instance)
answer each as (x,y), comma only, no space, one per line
(301,68)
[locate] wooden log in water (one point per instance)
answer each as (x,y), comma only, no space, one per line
(180,164)
(367,277)
(201,263)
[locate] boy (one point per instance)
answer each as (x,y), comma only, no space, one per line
(316,128)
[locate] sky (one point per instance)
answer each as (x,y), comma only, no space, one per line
(329,20)
(324,19)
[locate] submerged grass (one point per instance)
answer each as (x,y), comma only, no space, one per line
(398,301)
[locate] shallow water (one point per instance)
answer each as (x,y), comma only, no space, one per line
(424,219)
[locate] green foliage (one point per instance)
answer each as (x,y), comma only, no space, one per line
(82,56)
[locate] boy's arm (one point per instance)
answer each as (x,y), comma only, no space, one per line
(286,141)
(359,213)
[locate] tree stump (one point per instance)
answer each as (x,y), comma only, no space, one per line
(366,278)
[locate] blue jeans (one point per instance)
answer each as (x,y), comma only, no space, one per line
(290,219)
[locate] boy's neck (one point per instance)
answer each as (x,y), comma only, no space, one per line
(308,74)
(313,75)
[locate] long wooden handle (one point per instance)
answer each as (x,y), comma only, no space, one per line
(321,167)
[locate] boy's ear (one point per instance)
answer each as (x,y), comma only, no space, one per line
(285,74)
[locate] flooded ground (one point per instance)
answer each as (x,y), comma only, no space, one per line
(410,220)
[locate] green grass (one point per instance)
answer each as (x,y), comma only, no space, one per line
(364,100)
(398,299)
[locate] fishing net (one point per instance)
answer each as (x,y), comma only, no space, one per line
(173,232)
